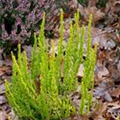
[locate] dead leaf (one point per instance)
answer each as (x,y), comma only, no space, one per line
(4,68)
(12,116)
(75,98)
(118,66)
(103,73)
(2,88)
(73,4)
(115,75)
(117,7)
(114,109)
(102,91)
(3,115)
(80,117)
(98,111)
(2,99)
(97,14)
(115,92)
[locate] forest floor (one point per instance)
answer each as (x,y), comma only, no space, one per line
(106,32)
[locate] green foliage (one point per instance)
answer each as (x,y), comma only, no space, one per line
(102,3)
(87,84)
(37,91)
(83,2)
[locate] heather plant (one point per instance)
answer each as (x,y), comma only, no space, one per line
(40,91)
(87,83)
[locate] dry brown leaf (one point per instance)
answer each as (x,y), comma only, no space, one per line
(97,14)
(115,75)
(79,117)
(98,111)
(115,92)
(102,91)
(98,36)
(2,99)
(3,115)
(73,4)
(103,73)
(81,9)
(4,68)
(117,6)
(114,109)
(75,98)
(12,116)
(118,66)
(2,88)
